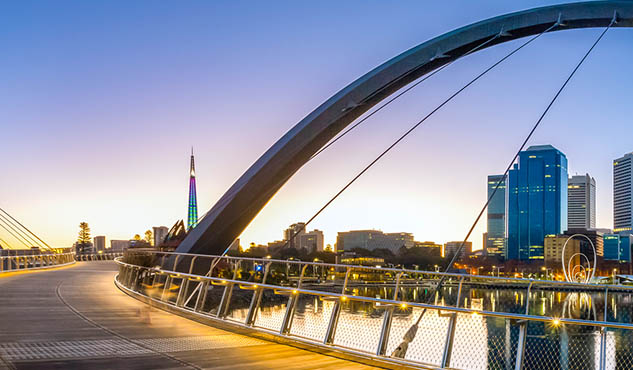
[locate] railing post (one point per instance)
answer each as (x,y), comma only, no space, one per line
(202,296)
(166,288)
(336,312)
(450,333)
(603,333)
(182,293)
(226,295)
(286,324)
(257,299)
(523,331)
(386,322)
(521,345)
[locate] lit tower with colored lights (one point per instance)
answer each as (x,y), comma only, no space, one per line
(192,218)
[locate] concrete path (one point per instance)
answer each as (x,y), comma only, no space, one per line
(76,318)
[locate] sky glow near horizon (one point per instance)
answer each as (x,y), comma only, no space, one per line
(102,102)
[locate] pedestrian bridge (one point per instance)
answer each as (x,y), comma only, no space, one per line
(157,310)
(75,317)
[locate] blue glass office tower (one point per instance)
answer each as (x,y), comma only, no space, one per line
(496,232)
(617,247)
(537,201)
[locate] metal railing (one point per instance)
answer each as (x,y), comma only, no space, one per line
(35,261)
(106,256)
(371,312)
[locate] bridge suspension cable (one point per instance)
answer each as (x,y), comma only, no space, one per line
(19,232)
(401,350)
(13,235)
(10,220)
(417,124)
(403,92)
(372,113)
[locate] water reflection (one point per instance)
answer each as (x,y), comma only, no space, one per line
(480,342)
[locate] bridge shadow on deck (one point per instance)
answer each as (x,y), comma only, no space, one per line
(76,318)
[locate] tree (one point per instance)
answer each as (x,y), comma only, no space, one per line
(149,237)
(84,241)
(137,237)
(84,233)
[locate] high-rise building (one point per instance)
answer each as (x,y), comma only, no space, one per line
(537,201)
(623,194)
(99,243)
(160,233)
(373,239)
(495,242)
(192,216)
(581,202)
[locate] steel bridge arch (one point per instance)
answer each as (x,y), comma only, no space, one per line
(249,194)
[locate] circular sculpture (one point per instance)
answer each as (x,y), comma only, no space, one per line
(579,273)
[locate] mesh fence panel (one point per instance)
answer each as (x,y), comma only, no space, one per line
(311,317)
(359,326)
(272,309)
(428,345)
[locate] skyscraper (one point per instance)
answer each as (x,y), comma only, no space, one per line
(623,194)
(495,242)
(537,201)
(192,217)
(581,196)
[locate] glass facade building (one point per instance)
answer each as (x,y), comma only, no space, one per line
(537,201)
(617,247)
(495,242)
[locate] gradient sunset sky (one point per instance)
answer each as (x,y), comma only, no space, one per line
(100,103)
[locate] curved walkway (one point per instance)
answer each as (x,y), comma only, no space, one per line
(75,318)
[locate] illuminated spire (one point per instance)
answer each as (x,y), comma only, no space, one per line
(192,171)
(192,217)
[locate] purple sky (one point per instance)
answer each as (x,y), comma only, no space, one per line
(101,102)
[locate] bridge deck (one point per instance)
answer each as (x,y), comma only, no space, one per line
(75,317)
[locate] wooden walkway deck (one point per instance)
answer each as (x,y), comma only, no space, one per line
(75,318)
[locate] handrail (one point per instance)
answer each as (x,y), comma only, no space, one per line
(391,269)
(399,303)
(169,287)
(35,261)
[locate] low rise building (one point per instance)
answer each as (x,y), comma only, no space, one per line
(119,245)
(554,251)
(373,239)
(160,233)
(450,248)
(99,243)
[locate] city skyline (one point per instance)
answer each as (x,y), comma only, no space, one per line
(200,90)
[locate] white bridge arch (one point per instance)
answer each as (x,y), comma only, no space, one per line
(250,193)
